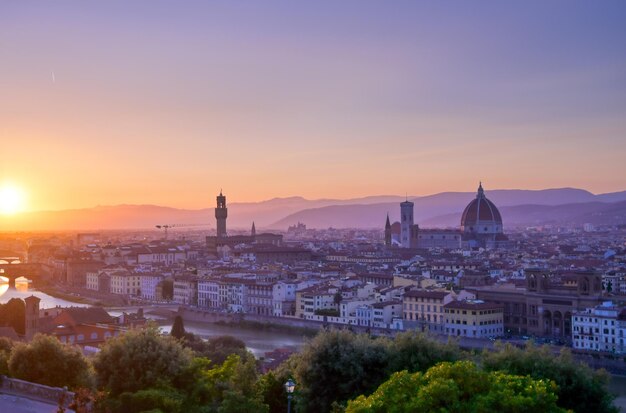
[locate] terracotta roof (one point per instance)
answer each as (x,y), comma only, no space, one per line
(470,305)
(438,295)
(87,315)
(480,209)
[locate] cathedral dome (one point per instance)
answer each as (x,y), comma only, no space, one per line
(481,216)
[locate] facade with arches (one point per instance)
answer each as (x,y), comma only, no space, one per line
(544,306)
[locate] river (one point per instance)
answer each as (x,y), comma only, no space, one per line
(23,289)
(258,341)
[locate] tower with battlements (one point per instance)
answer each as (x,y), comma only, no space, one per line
(221,213)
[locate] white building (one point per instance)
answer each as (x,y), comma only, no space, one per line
(125,282)
(208,293)
(167,256)
(149,283)
(233,294)
(615,282)
(91,279)
(284,298)
(602,328)
(384,313)
(186,290)
(315,298)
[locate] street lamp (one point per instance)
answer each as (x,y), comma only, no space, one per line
(290,385)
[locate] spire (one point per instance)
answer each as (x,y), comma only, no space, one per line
(387,224)
(253,231)
(481,192)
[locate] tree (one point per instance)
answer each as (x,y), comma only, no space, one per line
(271,387)
(330,312)
(6,345)
(229,387)
(580,388)
(458,387)
(139,360)
(338,366)
(13,314)
(216,349)
(47,361)
(167,289)
(415,351)
(178,328)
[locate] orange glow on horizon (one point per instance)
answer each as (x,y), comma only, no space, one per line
(11,199)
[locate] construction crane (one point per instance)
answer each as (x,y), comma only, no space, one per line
(164,227)
(168,226)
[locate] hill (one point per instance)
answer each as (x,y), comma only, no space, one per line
(441,209)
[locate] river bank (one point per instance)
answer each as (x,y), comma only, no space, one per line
(54,292)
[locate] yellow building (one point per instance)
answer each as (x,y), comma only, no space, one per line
(424,309)
(474,318)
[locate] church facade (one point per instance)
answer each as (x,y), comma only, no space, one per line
(481,227)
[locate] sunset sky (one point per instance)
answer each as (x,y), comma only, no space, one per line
(167,102)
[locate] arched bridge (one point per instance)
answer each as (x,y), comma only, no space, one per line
(34,271)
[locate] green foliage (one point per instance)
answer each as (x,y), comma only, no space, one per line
(47,361)
(215,349)
(231,383)
(167,289)
(272,390)
(415,351)
(580,388)
(458,387)
(162,400)
(337,366)
(178,328)
(13,314)
(237,402)
(139,360)
(330,312)
(6,345)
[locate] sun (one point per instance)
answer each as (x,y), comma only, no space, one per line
(11,200)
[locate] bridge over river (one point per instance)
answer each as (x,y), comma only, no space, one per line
(15,269)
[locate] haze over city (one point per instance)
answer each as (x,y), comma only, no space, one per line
(313,207)
(144,103)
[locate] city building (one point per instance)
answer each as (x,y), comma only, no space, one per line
(124,281)
(408,231)
(543,306)
(186,289)
(481,223)
(223,244)
(473,318)
(424,309)
(601,328)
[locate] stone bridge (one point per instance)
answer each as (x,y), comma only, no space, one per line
(34,271)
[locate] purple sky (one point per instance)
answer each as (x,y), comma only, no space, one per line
(166,102)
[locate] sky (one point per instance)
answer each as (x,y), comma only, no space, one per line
(154,102)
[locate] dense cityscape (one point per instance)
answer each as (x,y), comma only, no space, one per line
(344,206)
(478,284)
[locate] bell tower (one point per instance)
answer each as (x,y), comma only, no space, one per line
(31,316)
(221,212)
(406,223)
(388,232)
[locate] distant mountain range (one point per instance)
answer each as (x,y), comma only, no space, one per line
(518,207)
(444,209)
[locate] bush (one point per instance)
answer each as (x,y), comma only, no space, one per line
(47,361)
